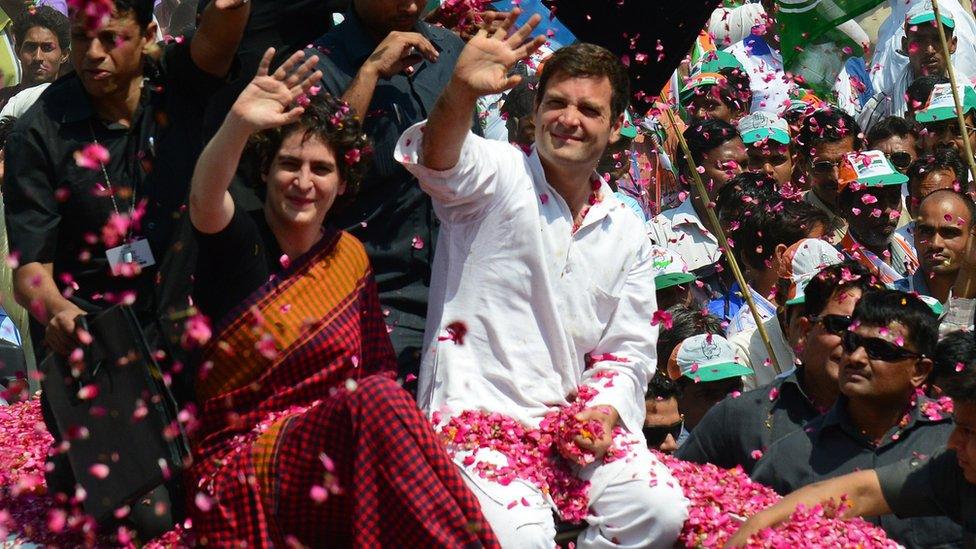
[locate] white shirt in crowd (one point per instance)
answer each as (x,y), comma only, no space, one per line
(769,84)
(535,298)
(682,231)
(750,347)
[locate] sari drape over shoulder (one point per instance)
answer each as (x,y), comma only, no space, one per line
(304,436)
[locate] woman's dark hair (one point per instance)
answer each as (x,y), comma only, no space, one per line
(685,322)
(582,59)
(882,307)
(918,92)
(954,366)
(703,136)
(827,125)
(891,127)
(941,159)
(846,275)
(44,17)
(332,121)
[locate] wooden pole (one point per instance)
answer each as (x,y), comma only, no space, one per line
(960,115)
(724,242)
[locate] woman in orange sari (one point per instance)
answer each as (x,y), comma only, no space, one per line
(303,435)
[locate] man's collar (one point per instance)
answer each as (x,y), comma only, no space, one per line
(685,213)
(839,417)
(77,106)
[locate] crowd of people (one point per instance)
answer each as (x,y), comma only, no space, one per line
(417,276)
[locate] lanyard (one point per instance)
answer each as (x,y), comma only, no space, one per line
(111,191)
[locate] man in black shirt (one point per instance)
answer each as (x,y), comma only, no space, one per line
(738,430)
(879,418)
(391,67)
(917,486)
(68,210)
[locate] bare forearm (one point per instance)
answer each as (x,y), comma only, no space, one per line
(447,127)
(359,94)
(863,492)
(218,37)
(35,290)
(211,206)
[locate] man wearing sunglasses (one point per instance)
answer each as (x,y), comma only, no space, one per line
(663,423)
(898,139)
(825,137)
(738,430)
(944,485)
(879,418)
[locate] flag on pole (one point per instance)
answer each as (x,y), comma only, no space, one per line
(799,22)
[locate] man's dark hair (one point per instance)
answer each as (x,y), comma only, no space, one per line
(954,366)
(685,322)
(703,136)
(661,387)
(893,126)
(773,223)
(520,100)
(332,121)
(583,59)
(739,88)
(918,92)
(882,307)
(141,10)
(742,194)
(6,125)
(942,159)
(44,17)
(966,200)
(846,275)
(827,125)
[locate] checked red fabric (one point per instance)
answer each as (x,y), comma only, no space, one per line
(310,442)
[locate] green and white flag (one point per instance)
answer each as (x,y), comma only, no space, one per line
(800,22)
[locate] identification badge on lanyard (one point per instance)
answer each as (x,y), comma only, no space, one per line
(123,258)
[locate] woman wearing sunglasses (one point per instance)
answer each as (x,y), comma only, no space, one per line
(878,418)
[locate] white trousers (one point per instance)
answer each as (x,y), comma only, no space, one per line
(634,502)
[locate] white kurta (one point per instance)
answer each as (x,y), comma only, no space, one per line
(769,83)
(535,297)
(681,231)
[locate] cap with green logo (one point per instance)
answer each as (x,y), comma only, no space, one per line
(714,61)
(868,169)
(706,357)
(942,106)
(922,12)
(760,125)
(669,269)
(701,80)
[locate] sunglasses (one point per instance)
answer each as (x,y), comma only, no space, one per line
(825,167)
(833,324)
(657,434)
(876,348)
(901,159)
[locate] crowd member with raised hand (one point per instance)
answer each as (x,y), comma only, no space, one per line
(539,278)
(943,229)
(319,379)
(825,136)
(739,429)
(97,171)
(880,418)
(390,67)
(870,201)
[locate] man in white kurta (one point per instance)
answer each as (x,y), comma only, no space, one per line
(529,306)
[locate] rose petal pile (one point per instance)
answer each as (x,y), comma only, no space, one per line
(720,499)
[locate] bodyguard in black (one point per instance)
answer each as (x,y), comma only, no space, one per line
(878,419)
(62,217)
(391,67)
(737,431)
